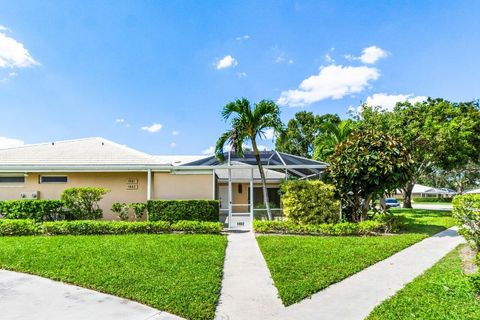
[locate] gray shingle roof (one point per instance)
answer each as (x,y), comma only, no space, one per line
(88,151)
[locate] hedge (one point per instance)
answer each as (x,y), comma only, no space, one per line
(432,199)
(39,210)
(327,229)
(310,202)
(20,227)
(466,209)
(177,210)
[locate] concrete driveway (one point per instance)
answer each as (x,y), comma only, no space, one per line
(436,206)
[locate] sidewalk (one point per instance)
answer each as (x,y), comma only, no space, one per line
(26,297)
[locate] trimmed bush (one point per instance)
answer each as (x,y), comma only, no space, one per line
(82,203)
(39,210)
(18,227)
(177,210)
(475,281)
(432,199)
(139,210)
(309,202)
(121,209)
(392,222)
(338,229)
(466,209)
(197,226)
(89,227)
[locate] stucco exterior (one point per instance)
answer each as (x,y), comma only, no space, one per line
(182,186)
(164,186)
(115,181)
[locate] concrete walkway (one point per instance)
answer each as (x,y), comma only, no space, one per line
(248,291)
(25,297)
(247,288)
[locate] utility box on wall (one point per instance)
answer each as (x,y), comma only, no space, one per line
(29,195)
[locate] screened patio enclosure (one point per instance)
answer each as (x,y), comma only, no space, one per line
(238,185)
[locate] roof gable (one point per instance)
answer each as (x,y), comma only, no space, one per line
(86,151)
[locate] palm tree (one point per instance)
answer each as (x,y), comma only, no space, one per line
(332,135)
(247,124)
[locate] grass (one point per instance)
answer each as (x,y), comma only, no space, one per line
(303,265)
(180,274)
(442,292)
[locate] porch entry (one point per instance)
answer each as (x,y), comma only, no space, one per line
(247,204)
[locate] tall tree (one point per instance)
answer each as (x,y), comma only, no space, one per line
(367,164)
(440,135)
(332,135)
(299,136)
(248,123)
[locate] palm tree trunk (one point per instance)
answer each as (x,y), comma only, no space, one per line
(262,176)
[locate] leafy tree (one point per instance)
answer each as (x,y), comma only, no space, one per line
(333,134)
(248,123)
(299,136)
(367,164)
(82,203)
(440,135)
(459,179)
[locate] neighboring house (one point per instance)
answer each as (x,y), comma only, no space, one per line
(43,171)
(474,191)
(425,191)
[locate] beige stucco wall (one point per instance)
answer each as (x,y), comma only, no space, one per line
(115,181)
(182,186)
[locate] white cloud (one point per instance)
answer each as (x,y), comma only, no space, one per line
(332,82)
(241,74)
(6,78)
(120,120)
(269,134)
(10,143)
(173,145)
(209,151)
(388,101)
(153,128)
(372,54)
(244,37)
(12,53)
(369,55)
(328,58)
(175,133)
(226,62)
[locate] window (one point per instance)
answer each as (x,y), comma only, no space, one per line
(273,196)
(12,179)
(53,179)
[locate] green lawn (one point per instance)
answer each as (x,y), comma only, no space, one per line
(303,265)
(180,274)
(442,292)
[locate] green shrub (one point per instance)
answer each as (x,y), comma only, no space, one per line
(197,226)
(176,210)
(309,202)
(121,209)
(392,222)
(39,210)
(87,227)
(466,209)
(330,229)
(432,199)
(18,227)
(475,281)
(139,210)
(82,203)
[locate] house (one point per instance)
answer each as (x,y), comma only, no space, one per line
(474,191)
(425,191)
(43,171)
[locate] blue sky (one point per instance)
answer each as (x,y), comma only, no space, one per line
(72,69)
